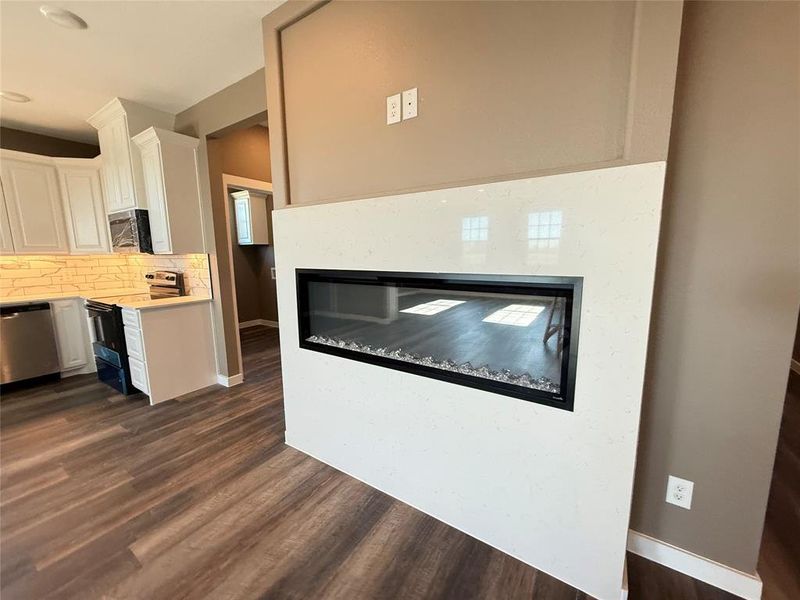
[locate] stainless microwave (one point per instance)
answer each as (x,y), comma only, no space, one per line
(130,231)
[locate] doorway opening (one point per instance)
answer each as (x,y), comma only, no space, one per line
(239,164)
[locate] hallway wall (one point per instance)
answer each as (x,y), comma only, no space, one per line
(245,153)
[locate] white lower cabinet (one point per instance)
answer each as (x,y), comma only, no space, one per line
(170,349)
(69,319)
(139,374)
(133,340)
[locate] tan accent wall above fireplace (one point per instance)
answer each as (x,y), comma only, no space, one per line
(506,90)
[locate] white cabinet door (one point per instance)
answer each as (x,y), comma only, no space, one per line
(87,224)
(117,167)
(156,199)
(252,217)
(139,375)
(109,170)
(6,245)
(70,324)
(243,231)
(122,162)
(34,208)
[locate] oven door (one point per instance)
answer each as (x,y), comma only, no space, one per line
(105,325)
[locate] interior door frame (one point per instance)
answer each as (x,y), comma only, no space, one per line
(234,183)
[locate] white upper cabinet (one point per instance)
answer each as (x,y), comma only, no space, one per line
(116,122)
(117,168)
(169,168)
(33,202)
(241,207)
(252,217)
(87,224)
(6,245)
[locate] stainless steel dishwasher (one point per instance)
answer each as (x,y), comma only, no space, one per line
(27,342)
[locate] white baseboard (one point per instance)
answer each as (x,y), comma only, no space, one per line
(796,366)
(257,322)
(736,582)
(230,381)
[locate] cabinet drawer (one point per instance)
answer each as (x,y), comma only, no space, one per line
(133,339)
(130,318)
(139,374)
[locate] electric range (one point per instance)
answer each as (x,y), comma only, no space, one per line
(105,316)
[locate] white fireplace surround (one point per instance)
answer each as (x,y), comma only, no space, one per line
(550,487)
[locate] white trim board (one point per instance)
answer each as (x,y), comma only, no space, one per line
(257,322)
(725,578)
(230,381)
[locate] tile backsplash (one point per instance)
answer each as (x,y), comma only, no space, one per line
(26,275)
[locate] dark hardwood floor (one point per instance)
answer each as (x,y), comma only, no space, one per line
(106,497)
(779,564)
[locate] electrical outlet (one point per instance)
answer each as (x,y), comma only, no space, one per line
(679,492)
(410,104)
(272,272)
(393,109)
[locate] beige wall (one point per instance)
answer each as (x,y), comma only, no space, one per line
(504,92)
(727,286)
(245,153)
(36,143)
(237,105)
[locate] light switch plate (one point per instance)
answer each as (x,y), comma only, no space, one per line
(679,492)
(410,104)
(393,109)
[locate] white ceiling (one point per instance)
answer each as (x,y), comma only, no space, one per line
(165,54)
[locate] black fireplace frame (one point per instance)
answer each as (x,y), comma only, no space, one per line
(570,288)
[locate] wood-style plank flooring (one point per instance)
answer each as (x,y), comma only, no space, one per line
(107,497)
(779,564)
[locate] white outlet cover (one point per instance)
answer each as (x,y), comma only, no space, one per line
(679,492)
(410,104)
(393,109)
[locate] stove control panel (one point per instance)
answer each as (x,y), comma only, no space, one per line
(165,278)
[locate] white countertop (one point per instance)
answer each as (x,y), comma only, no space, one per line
(66,295)
(164,302)
(140,305)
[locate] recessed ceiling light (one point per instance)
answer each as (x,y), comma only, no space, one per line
(14,97)
(62,17)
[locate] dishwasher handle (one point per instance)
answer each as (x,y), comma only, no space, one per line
(14,310)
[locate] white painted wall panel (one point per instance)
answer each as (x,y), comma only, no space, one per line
(550,487)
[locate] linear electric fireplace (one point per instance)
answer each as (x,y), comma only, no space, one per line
(511,335)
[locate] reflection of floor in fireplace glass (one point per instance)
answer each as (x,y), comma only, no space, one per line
(460,333)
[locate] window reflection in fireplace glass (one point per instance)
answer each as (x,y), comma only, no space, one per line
(515,339)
